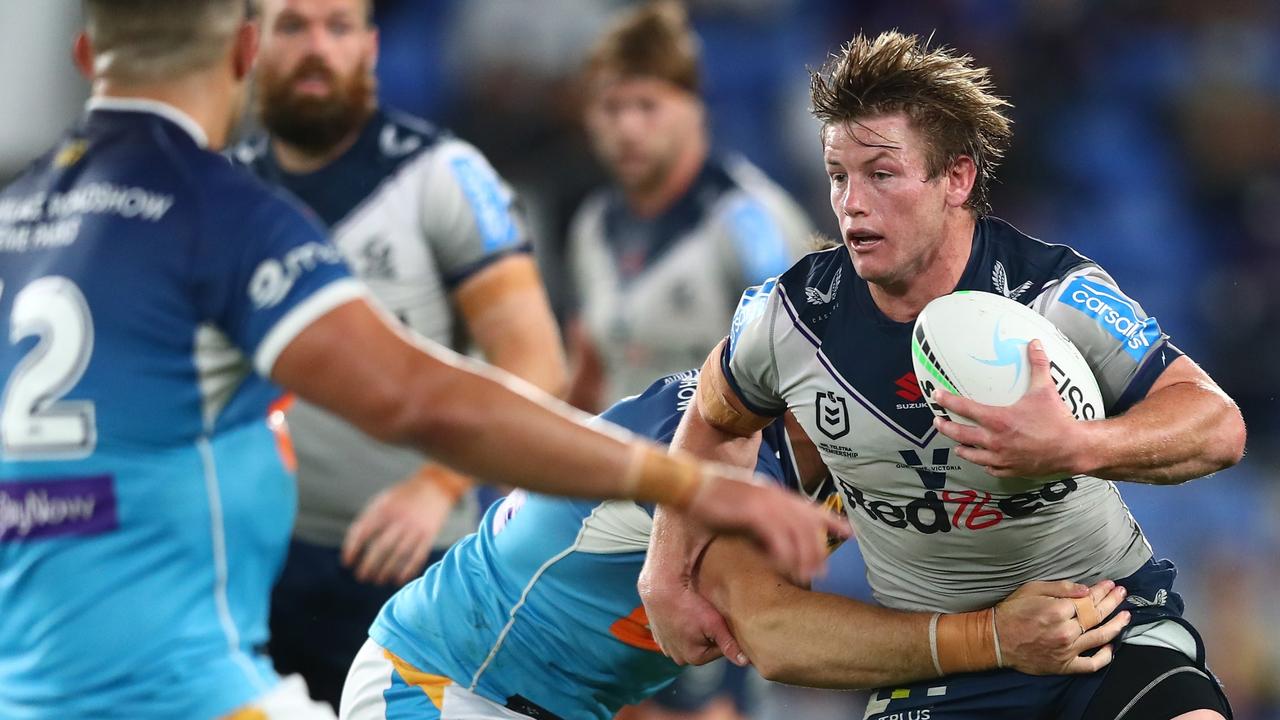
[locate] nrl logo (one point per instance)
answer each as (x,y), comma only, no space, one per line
(817,297)
(1000,281)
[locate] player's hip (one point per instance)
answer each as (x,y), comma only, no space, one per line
(381,686)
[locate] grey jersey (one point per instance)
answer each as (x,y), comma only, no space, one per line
(656,294)
(937,532)
(416,212)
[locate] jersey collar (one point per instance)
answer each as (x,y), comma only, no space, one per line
(155,107)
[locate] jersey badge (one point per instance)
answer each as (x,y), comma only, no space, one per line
(816,297)
(833,414)
(1000,282)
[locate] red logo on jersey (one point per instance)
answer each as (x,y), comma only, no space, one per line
(910,388)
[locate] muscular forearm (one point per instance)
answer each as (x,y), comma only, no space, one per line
(808,638)
(1177,433)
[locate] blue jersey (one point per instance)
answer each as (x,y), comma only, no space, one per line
(540,604)
(145,495)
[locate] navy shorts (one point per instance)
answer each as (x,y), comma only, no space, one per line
(1011,695)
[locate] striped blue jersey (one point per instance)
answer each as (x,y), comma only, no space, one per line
(146,289)
(541,601)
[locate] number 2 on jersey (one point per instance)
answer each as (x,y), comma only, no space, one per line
(35,423)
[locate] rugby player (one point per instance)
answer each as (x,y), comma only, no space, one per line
(426,223)
(149,294)
(660,257)
(945,516)
(537,615)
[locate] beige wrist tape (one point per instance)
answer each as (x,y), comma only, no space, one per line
(1086,613)
(964,642)
(453,484)
(654,476)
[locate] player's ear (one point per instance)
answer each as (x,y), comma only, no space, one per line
(372,51)
(960,178)
(82,54)
(244,51)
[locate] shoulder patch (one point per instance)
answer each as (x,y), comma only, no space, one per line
(761,248)
(1115,313)
(750,308)
(489,201)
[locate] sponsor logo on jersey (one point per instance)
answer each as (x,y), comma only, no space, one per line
(908,388)
(838,450)
(489,202)
(814,296)
(274,278)
(946,510)
(1000,281)
(933,476)
(832,413)
(57,507)
(1115,313)
(1007,351)
(750,308)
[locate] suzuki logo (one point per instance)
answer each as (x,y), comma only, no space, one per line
(832,414)
(909,388)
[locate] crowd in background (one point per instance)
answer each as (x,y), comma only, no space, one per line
(1147,135)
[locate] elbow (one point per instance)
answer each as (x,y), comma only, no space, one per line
(1229,450)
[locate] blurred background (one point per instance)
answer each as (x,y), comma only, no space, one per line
(1147,136)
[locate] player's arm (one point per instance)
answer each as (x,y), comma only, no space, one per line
(717,425)
(1185,427)
(506,312)
(802,637)
(356,363)
(1168,420)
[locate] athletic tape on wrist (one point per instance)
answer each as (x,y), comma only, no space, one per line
(654,476)
(965,642)
(453,484)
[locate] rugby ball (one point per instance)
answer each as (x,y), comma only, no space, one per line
(974,344)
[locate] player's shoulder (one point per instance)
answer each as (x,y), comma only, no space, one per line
(1018,265)
(655,412)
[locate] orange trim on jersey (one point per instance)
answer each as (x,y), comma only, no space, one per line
(634,630)
(432,685)
(247,713)
(280,428)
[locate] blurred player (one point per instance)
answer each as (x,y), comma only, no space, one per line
(660,259)
(945,516)
(148,289)
(425,222)
(537,615)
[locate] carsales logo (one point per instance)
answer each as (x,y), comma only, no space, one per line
(1115,313)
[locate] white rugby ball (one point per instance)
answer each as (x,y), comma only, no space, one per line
(974,344)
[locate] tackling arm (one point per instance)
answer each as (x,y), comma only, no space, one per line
(798,636)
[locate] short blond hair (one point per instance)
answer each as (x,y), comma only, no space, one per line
(143,41)
(653,40)
(947,98)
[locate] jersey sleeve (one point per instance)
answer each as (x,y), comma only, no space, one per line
(753,239)
(748,360)
(1125,347)
(469,215)
(264,279)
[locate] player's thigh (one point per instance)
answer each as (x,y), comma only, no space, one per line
(381,686)
(376,689)
(1156,683)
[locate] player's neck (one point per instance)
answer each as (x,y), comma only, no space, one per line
(211,107)
(651,202)
(297,160)
(937,276)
